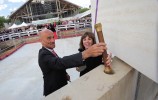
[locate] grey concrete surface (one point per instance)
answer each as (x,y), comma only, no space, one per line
(96,85)
(20,75)
(130,30)
(147,89)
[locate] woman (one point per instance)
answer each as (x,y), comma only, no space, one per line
(87,40)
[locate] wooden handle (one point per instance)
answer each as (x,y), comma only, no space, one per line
(98,28)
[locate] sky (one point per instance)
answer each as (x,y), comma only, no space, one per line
(8,6)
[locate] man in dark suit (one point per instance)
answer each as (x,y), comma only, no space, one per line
(54,67)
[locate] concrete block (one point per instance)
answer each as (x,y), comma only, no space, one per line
(130,30)
(147,89)
(96,85)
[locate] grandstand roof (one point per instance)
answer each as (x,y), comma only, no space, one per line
(29,1)
(28,11)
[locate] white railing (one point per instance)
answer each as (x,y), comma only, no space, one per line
(14,35)
(72,26)
(5,36)
(24,34)
(61,27)
(32,32)
(1,38)
(18,35)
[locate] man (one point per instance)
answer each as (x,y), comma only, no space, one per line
(54,68)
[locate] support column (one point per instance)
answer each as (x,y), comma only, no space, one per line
(27,12)
(57,8)
(31,12)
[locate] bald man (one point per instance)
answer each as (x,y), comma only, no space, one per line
(54,67)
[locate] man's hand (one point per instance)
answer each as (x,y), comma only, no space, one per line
(94,51)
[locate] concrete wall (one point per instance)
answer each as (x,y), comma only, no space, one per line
(130,29)
(146,89)
(96,85)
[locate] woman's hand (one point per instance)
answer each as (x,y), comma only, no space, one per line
(109,59)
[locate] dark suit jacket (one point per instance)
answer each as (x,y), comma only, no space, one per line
(91,63)
(54,69)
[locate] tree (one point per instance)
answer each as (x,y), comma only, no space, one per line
(3,20)
(83,10)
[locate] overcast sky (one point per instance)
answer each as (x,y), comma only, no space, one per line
(8,6)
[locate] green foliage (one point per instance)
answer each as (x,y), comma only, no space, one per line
(83,10)
(3,20)
(8,20)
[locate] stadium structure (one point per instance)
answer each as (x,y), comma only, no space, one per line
(43,9)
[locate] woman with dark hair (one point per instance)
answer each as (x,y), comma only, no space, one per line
(87,40)
(52,28)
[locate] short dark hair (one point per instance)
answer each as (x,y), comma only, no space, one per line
(90,35)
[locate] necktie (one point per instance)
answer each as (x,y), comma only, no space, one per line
(54,53)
